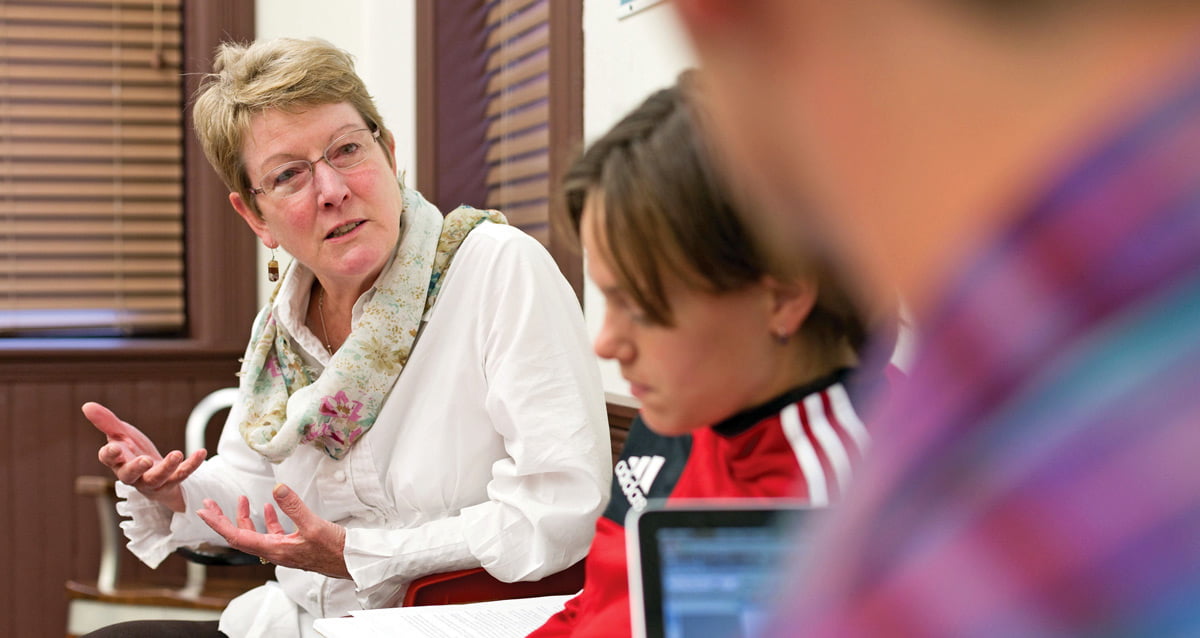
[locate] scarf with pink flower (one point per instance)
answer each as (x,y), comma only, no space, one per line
(286,408)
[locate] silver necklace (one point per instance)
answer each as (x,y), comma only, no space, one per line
(321,312)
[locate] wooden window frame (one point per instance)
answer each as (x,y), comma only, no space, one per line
(221,289)
(450,99)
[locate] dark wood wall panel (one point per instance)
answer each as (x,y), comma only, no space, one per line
(42,511)
(9,536)
(52,535)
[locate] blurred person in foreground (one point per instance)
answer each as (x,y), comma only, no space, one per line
(748,377)
(1028,174)
(416,398)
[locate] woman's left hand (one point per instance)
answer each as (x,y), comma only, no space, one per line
(315,546)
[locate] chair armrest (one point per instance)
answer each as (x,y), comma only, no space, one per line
(216,555)
(101,486)
(476,585)
(102,491)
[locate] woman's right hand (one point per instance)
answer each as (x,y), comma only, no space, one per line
(135,460)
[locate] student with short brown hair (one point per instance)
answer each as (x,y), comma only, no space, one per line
(744,373)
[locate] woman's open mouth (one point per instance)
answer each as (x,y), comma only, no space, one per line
(343,229)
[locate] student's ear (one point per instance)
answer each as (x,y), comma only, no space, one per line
(256,223)
(791,303)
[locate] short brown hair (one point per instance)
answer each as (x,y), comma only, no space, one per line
(284,73)
(667,210)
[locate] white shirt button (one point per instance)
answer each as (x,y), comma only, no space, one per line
(339,476)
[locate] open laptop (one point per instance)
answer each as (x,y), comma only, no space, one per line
(701,568)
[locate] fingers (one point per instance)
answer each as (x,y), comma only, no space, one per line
(170,470)
(244,521)
(212,516)
(132,440)
(271,518)
(293,506)
(186,467)
(132,471)
(317,545)
(190,464)
(242,536)
(158,474)
(322,542)
(112,455)
(104,419)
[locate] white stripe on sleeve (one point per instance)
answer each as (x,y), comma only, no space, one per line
(806,456)
(844,412)
(829,440)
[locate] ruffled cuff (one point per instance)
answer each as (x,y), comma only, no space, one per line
(382,569)
(148,528)
(186,527)
(154,531)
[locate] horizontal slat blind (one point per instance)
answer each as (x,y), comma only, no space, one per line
(518,139)
(91,167)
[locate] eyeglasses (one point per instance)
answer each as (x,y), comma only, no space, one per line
(344,153)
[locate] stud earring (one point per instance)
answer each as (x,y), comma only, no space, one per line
(273,268)
(782,337)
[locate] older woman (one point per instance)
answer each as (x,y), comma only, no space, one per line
(417,397)
(748,375)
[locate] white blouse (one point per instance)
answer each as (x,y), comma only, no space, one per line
(492,449)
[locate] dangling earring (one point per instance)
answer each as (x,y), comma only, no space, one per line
(273,268)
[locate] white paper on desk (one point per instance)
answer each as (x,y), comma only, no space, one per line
(496,619)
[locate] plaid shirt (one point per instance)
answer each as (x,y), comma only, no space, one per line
(1040,474)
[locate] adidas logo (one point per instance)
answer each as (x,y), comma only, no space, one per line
(635,475)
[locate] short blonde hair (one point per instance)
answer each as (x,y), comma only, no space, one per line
(285,74)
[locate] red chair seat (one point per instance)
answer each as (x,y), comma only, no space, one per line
(476,585)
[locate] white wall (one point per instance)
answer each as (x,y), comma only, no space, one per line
(380,34)
(624,60)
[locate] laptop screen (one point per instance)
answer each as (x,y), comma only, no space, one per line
(707,570)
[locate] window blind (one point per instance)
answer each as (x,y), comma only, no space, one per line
(518,113)
(91,167)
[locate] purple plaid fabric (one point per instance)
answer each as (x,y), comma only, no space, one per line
(1040,473)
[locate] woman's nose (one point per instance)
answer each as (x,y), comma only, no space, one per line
(330,184)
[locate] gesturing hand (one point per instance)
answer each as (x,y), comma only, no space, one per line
(135,460)
(315,546)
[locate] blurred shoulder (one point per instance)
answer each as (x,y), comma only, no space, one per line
(492,236)
(490,242)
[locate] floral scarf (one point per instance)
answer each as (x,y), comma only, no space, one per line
(286,408)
